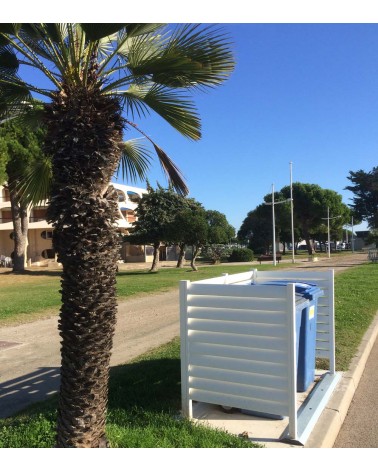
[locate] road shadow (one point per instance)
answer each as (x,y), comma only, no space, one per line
(21,392)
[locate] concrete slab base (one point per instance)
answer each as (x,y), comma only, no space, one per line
(272,432)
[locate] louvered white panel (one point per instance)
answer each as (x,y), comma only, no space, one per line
(236,389)
(262,405)
(322,337)
(238,352)
(239,365)
(255,291)
(232,327)
(262,304)
(255,316)
(256,342)
(259,380)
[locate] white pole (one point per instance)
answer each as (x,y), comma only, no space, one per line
(292,212)
(352,237)
(274,228)
(329,235)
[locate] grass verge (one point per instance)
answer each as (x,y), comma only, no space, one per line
(144,406)
(35,295)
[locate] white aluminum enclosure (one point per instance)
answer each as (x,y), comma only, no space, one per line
(238,344)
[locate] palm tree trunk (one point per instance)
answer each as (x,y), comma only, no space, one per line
(155,261)
(20,231)
(84,136)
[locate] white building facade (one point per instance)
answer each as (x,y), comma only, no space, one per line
(39,245)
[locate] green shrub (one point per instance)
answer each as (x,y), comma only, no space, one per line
(242,254)
(215,253)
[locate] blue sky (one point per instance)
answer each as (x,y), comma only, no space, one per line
(304,90)
(300,93)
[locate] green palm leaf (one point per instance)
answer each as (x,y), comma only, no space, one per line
(36,182)
(96,31)
(170,104)
(192,56)
(135,161)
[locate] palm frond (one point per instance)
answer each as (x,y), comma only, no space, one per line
(192,56)
(170,169)
(172,172)
(138,29)
(172,105)
(14,99)
(135,161)
(31,116)
(9,63)
(36,182)
(96,31)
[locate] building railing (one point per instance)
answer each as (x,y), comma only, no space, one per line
(32,219)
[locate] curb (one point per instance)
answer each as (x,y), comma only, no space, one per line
(329,424)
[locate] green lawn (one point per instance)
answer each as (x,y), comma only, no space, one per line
(36,294)
(144,411)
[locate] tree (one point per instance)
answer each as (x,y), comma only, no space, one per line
(220,231)
(155,213)
(23,150)
(257,227)
(190,228)
(97,72)
(365,200)
(372,237)
(310,209)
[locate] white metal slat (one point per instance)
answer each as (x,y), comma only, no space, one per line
(236,389)
(278,382)
(275,408)
(251,366)
(232,327)
(220,290)
(236,303)
(237,352)
(255,316)
(256,342)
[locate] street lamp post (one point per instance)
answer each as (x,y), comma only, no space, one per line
(274,223)
(292,212)
(329,234)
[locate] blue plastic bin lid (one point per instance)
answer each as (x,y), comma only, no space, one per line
(306,290)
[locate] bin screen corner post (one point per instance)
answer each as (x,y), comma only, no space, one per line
(292,361)
(184,349)
(331,291)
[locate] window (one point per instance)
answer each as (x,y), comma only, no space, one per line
(46,234)
(48,254)
(121,195)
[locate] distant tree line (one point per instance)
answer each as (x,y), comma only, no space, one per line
(165,217)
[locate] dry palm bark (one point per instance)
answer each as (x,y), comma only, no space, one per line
(83,212)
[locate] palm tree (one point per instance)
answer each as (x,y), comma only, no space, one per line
(101,76)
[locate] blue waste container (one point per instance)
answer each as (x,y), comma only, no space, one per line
(306,298)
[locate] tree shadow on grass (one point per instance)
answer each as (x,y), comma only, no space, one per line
(35,273)
(152,385)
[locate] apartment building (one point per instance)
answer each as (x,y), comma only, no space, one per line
(39,246)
